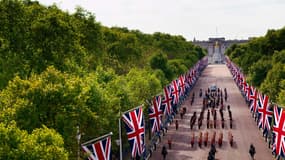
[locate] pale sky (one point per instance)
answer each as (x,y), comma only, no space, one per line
(232,19)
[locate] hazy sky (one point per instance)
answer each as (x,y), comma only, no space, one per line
(232,19)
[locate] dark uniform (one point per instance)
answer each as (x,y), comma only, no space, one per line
(252,151)
(212,153)
(176,124)
(164,152)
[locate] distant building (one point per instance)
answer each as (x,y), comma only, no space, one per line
(216,48)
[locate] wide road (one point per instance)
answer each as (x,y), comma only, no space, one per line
(245,130)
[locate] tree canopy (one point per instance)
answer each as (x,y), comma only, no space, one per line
(262,59)
(60,70)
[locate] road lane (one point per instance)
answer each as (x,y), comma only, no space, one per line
(245,130)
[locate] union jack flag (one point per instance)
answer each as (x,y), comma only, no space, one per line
(247,91)
(253,99)
(190,81)
(182,84)
(100,150)
(175,92)
(236,75)
(166,102)
(193,75)
(155,113)
(244,84)
(241,81)
(134,124)
(265,113)
(187,81)
(279,131)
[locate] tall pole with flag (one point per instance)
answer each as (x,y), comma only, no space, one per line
(119,142)
(148,122)
(120,137)
(134,124)
(78,137)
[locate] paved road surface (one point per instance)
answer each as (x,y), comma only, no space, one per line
(244,130)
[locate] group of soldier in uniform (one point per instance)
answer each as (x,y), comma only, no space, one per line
(213,100)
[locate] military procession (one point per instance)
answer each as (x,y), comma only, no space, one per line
(212,101)
(209,126)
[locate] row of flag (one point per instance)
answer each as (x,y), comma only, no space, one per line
(162,105)
(270,117)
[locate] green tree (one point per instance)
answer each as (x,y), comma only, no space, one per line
(42,143)
(271,84)
(160,61)
(58,101)
(281,94)
(258,72)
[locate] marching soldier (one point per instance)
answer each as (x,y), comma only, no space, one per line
(213,140)
(208,118)
(193,120)
(252,151)
(169,143)
(176,124)
(201,93)
(164,152)
(220,140)
(200,121)
(230,115)
(231,119)
(206,134)
(200,139)
(212,153)
(192,140)
(181,113)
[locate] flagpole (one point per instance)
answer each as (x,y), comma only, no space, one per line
(149,127)
(133,108)
(143,155)
(78,137)
(96,139)
(120,137)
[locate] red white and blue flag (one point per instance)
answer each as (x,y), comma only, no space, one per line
(167,100)
(193,75)
(241,81)
(189,79)
(134,124)
(278,129)
(247,91)
(99,150)
(265,113)
(175,92)
(244,84)
(253,98)
(182,85)
(236,75)
(155,114)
